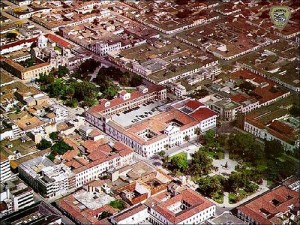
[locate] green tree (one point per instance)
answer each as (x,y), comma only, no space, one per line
(44,144)
(273,148)
(201,163)
(118,204)
(53,136)
(11,35)
(62,71)
(57,88)
(84,89)
(72,103)
(208,186)
(89,101)
(61,147)
(104,215)
(209,137)
(135,80)
(180,162)
(162,153)
(70,91)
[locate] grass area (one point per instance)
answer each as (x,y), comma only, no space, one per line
(218,197)
(58,48)
(270,183)
(236,197)
(184,154)
(118,204)
(216,154)
(23,147)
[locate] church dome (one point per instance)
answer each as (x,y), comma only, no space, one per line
(42,39)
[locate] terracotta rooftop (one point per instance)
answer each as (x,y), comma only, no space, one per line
(129,212)
(117,101)
(264,208)
(98,152)
(60,42)
(203,114)
(196,201)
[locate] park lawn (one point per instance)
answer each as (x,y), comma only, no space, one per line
(218,197)
(184,154)
(262,165)
(233,198)
(216,154)
(58,48)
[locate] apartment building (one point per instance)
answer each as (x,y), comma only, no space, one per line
(15,195)
(47,178)
(5,169)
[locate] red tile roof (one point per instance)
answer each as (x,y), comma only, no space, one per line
(263,211)
(203,114)
(264,92)
(98,152)
(85,216)
(193,104)
(196,201)
(239,98)
(58,40)
(129,212)
(117,101)
(31,40)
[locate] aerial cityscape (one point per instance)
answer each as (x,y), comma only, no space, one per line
(150,112)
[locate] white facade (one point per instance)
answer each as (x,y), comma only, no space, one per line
(92,173)
(104,48)
(265,135)
(16,194)
(132,218)
(174,137)
(197,218)
(47,178)
(5,173)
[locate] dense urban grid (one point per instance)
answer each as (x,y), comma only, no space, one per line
(149,112)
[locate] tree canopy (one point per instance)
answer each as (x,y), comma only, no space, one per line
(180,161)
(201,163)
(44,144)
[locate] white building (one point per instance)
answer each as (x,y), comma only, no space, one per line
(15,194)
(100,114)
(168,129)
(47,178)
(5,173)
(133,215)
(61,112)
(187,207)
(99,158)
(178,89)
(103,48)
